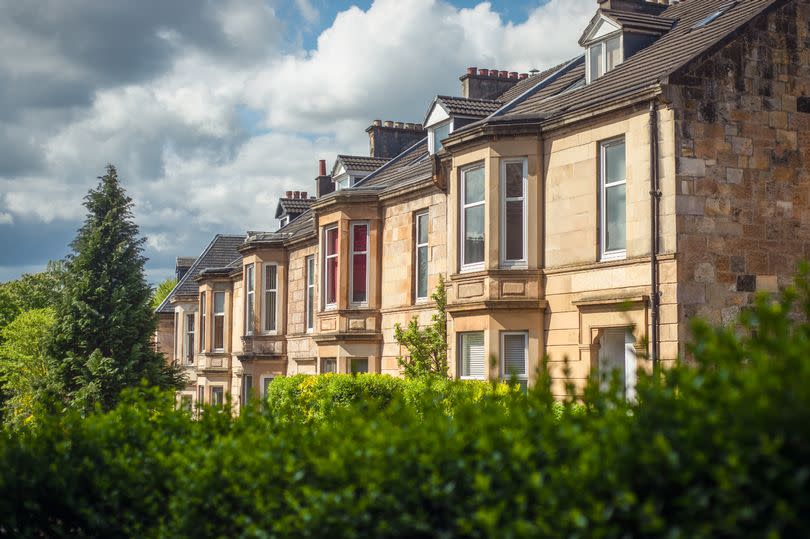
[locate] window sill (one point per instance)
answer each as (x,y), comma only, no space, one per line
(478,378)
(613,255)
(514,265)
(472,268)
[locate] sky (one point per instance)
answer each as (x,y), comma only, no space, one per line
(211,109)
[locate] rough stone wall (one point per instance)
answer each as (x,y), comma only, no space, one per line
(397,299)
(743,176)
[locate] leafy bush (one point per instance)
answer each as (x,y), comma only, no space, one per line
(718,448)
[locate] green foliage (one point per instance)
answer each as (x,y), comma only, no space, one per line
(163,290)
(31,291)
(716,448)
(104,319)
(27,375)
(427,346)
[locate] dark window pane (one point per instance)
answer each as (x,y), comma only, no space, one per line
(514,180)
(331,241)
(331,280)
(359,278)
(422,272)
(514,230)
(360,238)
(474,235)
(219,332)
(615,207)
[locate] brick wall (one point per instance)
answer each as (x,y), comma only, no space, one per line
(743,179)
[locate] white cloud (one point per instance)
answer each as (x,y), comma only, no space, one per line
(6,218)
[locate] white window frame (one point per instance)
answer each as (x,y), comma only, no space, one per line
(267,293)
(325,270)
(460,356)
(250,298)
(476,266)
(432,134)
(218,315)
(188,343)
(352,253)
(264,377)
(177,330)
(309,301)
(508,375)
(284,221)
(616,254)
(417,246)
(603,44)
(522,263)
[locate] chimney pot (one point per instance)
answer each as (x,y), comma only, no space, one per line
(377,123)
(493,72)
(513,75)
(483,72)
(304,194)
(503,74)
(389,123)
(288,194)
(523,76)
(471,71)
(322,167)
(399,125)
(418,127)
(408,125)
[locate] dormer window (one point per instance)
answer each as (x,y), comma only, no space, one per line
(604,56)
(438,133)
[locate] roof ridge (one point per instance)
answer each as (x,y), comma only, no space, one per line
(391,161)
(440,96)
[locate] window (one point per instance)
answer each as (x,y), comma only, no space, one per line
(200,395)
(328,365)
(713,16)
(472,363)
(176,331)
(359,263)
(342,183)
(421,255)
(270,297)
(514,218)
(219,321)
(185,403)
(515,355)
(247,388)
(437,134)
(284,221)
(203,308)
(217,395)
(250,292)
(613,200)
(190,339)
(617,358)
(472,218)
(266,381)
(604,56)
(310,299)
(358,365)
(330,250)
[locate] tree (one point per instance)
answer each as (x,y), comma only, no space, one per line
(428,346)
(28,377)
(31,291)
(163,290)
(104,320)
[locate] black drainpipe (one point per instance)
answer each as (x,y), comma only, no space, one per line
(655,199)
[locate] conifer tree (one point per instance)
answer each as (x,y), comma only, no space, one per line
(103,337)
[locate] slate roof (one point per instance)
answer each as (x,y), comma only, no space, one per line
(645,22)
(461,106)
(218,254)
(293,206)
(652,65)
(362,162)
(301,226)
(528,83)
(184,261)
(411,165)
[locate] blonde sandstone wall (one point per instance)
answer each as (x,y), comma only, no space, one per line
(582,293)
(301,349)
(398,272)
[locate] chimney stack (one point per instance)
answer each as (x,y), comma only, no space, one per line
(488,83)
(288,194)
(650,7)
(388,139)
(323,183)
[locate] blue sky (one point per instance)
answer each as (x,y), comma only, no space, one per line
(211,110)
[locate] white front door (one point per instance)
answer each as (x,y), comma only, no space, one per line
(617,354)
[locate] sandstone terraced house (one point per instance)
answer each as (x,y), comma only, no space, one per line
(587,211)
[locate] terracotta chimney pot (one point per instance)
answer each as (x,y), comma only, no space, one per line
(322,167)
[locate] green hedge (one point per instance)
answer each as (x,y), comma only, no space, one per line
(719,448)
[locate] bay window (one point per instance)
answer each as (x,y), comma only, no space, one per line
(514,213)
(515,356)
(473,210)
(190,339)
(330,239)
(250,289)
(472,360)
(310,298)
(421,256)
(613,200)
(219,321)
(270,297)
(359,281)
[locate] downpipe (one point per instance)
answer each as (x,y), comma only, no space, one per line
(655,200)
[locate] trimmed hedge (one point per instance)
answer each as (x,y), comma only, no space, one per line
(719,448)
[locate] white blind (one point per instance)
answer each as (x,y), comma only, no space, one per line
(473,363)
(514,355)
